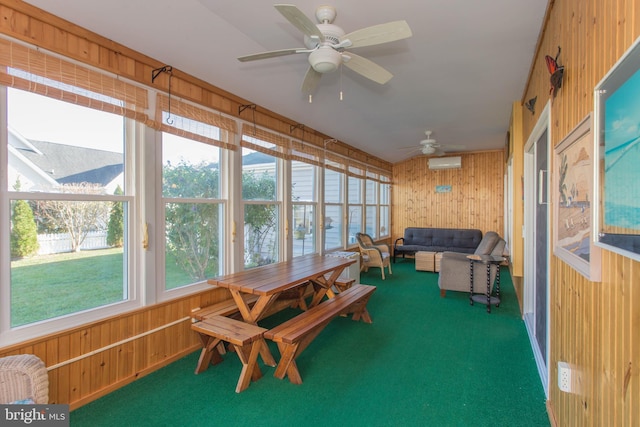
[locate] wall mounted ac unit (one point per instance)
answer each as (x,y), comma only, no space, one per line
(445,162)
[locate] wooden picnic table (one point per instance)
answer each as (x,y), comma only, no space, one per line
(267,282)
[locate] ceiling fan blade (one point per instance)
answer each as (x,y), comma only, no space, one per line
(366,68)
(378,34)
(300,20)
(311,81)
(272,54)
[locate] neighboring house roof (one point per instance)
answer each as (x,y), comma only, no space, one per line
(256,158)
(72,164)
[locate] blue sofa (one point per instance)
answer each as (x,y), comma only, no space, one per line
(417,239)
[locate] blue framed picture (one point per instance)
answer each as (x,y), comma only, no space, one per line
(617,112)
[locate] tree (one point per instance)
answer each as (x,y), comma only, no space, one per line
(192,229)
(76,217)
(24,232)
(192,236)
(260,219)
(115,230)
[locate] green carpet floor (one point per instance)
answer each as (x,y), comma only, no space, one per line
(425,361)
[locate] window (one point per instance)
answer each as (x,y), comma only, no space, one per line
(193,211)
(70,208)
(261,212)
(371,209)
(303,200)
(194,141)
(355,204)
(333,209)
(385,207)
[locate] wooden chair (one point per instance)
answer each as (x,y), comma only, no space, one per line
(373,255)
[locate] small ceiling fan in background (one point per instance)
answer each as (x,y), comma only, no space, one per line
(429,146)
(327,45)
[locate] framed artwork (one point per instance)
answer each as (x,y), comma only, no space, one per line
(573,201)
(617,130)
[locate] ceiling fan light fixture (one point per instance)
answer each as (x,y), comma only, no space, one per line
(325,59)
(326,13)
(428,149)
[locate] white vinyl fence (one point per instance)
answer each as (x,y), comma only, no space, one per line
(60,242)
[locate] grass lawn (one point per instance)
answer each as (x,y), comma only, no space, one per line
(48,286)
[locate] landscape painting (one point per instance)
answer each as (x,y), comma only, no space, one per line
(574,204)
(574,174)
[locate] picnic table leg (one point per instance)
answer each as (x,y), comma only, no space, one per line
(319,291)
(209,351)
(252,315)
(360,311)
(362,314)
(248,355)
(323,286)
(287,365)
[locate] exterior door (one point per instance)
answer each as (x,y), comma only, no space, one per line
(536,271)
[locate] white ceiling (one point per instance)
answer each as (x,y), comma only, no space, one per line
(467,62)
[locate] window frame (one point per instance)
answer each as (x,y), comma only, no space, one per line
(133,132)
(314,203)
(162,293)
(277,201)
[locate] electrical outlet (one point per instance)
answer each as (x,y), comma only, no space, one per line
(564,377)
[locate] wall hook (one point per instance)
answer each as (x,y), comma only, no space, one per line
(154,74)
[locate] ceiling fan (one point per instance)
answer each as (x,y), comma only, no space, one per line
(327,45)
(429,146)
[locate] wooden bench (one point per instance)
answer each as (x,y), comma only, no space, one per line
(247,340)
(227,308)
(343,284)
(294,335)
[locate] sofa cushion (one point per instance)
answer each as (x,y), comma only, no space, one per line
(441,239)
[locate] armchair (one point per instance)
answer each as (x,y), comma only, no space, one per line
(373,255)
(23,377)
(454,267)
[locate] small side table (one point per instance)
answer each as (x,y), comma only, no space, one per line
(487,260)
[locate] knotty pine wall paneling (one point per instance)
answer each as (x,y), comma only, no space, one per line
(595,327)
(98,358)
(476,199)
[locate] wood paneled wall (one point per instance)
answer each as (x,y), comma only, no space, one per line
(595,327)
(476,199)
(136,343)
